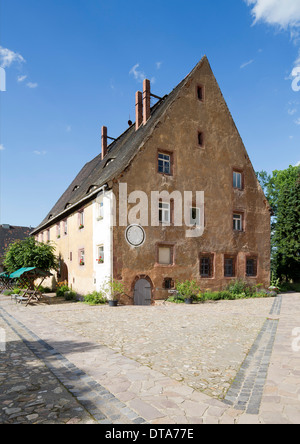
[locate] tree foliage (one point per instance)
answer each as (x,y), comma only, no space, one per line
(282,190)
(30,253)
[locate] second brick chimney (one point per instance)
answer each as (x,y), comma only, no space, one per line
(104,141)
(146,100)
(138,110)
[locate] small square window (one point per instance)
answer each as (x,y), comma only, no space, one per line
(168,283)
(164,163)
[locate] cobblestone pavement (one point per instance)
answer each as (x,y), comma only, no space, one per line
(201,345)
(163,364)
(30,393)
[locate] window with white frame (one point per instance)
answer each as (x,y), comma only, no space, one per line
(58,230)
(81,257)
(238,222)
(81,219)
(65,227)
(100,210)
(164,163)
(100,254)
(164,213)
(237,180)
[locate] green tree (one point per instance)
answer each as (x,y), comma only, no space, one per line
(30,253)
(282,190)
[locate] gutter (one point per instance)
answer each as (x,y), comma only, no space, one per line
(58,216)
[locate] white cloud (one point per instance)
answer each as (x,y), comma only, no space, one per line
(39,153)
(137,73)
(298,164)
(297,122)
(158,65)
(2,147)
(292,111)
(21,78)
(282,13)
(246,64)
(7,57)
(32,85)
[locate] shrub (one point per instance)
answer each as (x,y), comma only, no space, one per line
(70,295)
(61,290)
(188,289)
(176,299)
(95,298)
(239,287)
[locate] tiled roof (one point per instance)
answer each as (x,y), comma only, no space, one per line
(10,234)
(98,172)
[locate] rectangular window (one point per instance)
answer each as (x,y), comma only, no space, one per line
(81,219)
(48,235)
(58,230)
(165,255)
(237,180)
(100,211)
(168,283)
(200,139)
(238,222)
(164,163)
(206,265)
(195,216)
(100,257)
(251,267)
(200,93)
(164,213)
(229,266)
(65,227)
(81,257)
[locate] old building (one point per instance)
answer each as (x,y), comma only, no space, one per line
(188,147)
(8,235)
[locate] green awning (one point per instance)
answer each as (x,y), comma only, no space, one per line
(32,271)
(4,275)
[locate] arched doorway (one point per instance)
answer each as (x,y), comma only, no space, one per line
(142,293)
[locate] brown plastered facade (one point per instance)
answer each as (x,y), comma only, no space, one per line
(207,168)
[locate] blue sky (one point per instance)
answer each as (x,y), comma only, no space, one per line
(74,65)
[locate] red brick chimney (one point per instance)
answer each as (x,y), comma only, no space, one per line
(138,110)
(146,100)
(104,141)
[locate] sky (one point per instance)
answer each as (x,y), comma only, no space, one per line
(72,66)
